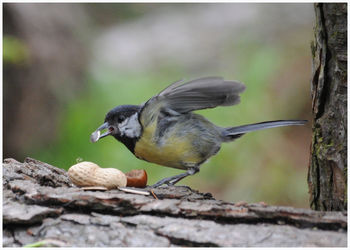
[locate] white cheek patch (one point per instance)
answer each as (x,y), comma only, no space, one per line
(130,127)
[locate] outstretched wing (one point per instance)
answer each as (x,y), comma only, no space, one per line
(202,93)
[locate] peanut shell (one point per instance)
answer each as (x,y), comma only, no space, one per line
(89,174)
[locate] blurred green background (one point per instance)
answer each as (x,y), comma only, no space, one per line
(66,65)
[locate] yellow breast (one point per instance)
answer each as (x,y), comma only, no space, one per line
(174,151)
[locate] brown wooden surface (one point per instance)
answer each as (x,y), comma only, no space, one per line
(40,204)
(327,175)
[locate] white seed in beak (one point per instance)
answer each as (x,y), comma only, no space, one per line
(95,136)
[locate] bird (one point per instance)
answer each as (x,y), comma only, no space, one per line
(165,130)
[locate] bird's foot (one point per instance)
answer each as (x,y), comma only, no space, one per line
(171,181)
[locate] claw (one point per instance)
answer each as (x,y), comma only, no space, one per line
(171,181)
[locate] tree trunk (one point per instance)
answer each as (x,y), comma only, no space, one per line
(327,176)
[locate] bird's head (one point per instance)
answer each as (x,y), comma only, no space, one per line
(121,122)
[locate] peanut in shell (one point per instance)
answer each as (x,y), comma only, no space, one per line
(89,174)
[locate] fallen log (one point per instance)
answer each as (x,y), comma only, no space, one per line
(41,207)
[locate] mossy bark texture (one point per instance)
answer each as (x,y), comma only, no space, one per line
(327,176)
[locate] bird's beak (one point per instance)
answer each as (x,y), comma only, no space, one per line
(95,136)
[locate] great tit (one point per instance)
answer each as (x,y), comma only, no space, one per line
(166,132)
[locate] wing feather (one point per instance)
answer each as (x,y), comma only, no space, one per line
(202,93)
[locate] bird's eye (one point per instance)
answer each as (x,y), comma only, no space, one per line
(121,119)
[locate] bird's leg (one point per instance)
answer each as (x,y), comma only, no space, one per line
(170,181)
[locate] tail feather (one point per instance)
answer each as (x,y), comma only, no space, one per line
(236,132)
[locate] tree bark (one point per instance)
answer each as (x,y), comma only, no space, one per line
(327,176)
(41,207)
